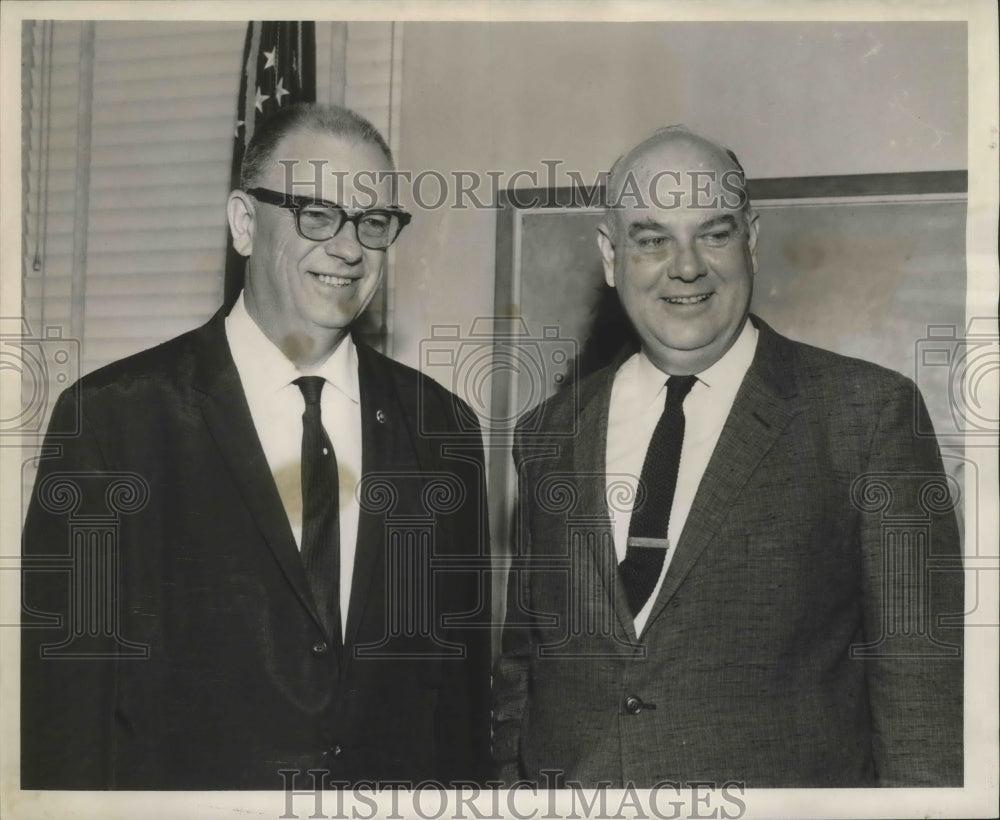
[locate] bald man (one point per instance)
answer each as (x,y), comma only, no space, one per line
(700,590)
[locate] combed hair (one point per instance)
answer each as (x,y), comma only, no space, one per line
(322,119)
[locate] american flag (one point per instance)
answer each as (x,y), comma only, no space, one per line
(279,68)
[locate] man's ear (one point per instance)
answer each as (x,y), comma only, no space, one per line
(752,218)
(607,246)
(240,211)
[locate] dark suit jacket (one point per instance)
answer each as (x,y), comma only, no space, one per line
(207,666)
(795,640)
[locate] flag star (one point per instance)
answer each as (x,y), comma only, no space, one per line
(259,101)
(279,90)
(272,58)
(239,125)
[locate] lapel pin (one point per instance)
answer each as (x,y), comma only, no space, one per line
(380,416)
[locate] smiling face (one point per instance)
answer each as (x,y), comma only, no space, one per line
(305,294)
(684,258)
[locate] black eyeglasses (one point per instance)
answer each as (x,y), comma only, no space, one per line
(319,220)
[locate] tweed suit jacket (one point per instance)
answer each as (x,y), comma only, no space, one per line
(208,667)
(797,638)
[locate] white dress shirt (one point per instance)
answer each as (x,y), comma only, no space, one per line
(637,400)
(276,406)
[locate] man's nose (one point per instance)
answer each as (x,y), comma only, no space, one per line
(344,244)
(687,264)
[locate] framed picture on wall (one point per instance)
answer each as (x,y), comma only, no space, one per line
(871,266)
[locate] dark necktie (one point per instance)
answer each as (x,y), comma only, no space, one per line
(647,531)
(320,509)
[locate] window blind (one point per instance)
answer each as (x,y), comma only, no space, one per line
(141,116)
(372,61)
(161,113)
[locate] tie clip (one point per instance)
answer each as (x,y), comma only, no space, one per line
(648,543)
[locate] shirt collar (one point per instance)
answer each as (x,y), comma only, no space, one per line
(727,372)
(341,369)
(733,366)
(264,368)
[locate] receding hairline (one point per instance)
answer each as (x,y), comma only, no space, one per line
(308,130)
(630,160)
(725,161)
(309,118)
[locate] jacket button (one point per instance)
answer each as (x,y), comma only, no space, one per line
(336,751)
(320,648)
(633,705)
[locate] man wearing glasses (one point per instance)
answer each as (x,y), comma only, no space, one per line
(277,617)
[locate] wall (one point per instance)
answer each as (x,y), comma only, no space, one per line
(791,98)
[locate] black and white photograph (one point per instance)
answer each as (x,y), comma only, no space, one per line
(499,409)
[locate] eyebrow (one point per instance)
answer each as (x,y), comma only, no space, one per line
(647,224)
(718,221)
(306,201)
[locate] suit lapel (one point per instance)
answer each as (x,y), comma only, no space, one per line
(759,415)
(589,465)
(386,445)
(227,416)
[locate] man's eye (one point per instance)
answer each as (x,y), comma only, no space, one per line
(318,216)
(651,243)
(317,213)
(717,238)
(378,223)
